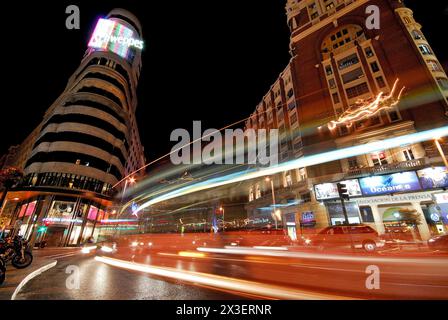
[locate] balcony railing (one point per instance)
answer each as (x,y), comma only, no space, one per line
(387,168)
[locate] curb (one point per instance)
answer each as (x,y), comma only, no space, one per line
(32,275)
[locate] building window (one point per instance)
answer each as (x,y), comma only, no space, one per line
(353,162)
(379,158)
(314,15)
(374,67)
(406,20)
(394,116)
(424,49)
(348,61)
(443,83)
(434,65)
(369,52)
(257,191)
(358,90)
(417,35)
(302,174)
(336,98)
(343,130)
(380,81)
(251,194)
(293,118)
(330,6)
(408,154)
(352,75)
(332,83)
(288,179)
(328,70)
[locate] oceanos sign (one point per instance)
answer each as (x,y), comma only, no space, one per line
(392,183)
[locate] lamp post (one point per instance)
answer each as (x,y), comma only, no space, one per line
(131,181)
(221,209)
(439,148)
(274,213)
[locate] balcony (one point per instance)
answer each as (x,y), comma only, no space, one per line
(388,168)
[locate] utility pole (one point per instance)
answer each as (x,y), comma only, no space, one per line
(344,195)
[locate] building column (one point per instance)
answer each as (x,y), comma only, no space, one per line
(379,224)
(40,217)
(423,226)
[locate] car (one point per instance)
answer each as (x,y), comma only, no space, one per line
(359,236)
(439,242)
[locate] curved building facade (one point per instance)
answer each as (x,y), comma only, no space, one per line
(88,139)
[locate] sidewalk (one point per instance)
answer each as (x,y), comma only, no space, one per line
(18,277)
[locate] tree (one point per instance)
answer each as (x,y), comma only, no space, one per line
(9,177)
(410,216)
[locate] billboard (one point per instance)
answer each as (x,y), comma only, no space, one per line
(392,183)
(115,37)
(435,177)
(326,191)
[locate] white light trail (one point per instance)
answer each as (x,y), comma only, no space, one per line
(299,163)
(221,282)
(326,256)
(363,109)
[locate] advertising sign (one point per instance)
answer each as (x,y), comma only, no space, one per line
(435,177)
(330,190)
(113,36)
(308,219)
(392,183)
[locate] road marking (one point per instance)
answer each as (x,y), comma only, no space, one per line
(221,282)
(62,255)
(32,275)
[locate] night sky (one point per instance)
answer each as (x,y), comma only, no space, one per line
(203,60)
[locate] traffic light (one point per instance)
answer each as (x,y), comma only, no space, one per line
(343,191)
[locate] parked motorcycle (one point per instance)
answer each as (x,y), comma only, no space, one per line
(17,251)
(2,271)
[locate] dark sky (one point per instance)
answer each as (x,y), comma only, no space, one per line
(203,60)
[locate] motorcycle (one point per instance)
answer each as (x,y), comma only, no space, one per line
(17,251)
(2,271)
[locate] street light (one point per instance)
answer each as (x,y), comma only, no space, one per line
(131,180)
(268,179)
(221,209)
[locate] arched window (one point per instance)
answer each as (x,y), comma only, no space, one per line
(341,38)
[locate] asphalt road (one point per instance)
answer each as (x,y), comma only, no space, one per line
(235,275)
(99,281)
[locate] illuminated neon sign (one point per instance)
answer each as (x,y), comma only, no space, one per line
(392,183)
(113,36)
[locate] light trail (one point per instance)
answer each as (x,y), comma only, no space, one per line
(221,282)
(317,256)
(307,161)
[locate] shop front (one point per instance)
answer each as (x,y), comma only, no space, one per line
(409,206)
(58,220)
